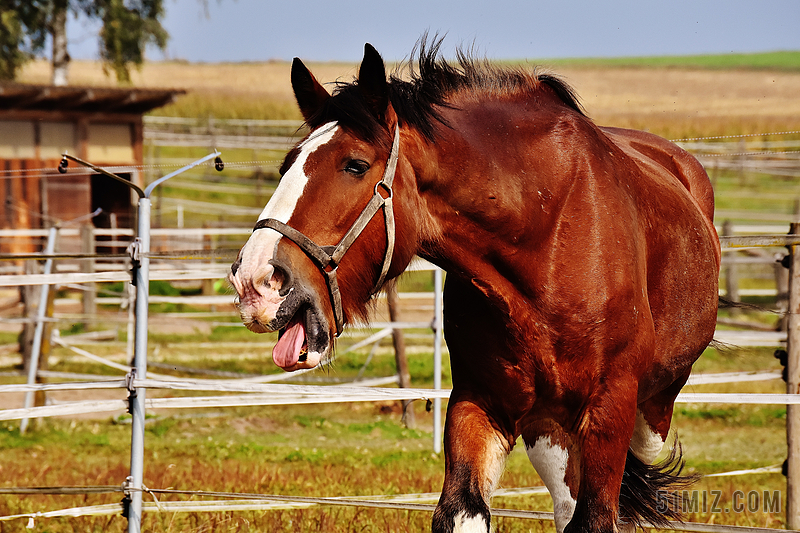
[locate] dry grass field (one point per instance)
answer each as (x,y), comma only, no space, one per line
(674,102)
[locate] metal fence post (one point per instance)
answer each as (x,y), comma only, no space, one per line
(793,387)
(33,366)
(141,279)
(437,359)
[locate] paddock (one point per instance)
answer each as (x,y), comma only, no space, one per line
(211,266)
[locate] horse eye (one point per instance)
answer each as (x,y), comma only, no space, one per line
(356,167)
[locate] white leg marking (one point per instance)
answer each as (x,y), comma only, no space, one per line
(494,463)
(493,467)
(550,462)
(646,444)
(469,524)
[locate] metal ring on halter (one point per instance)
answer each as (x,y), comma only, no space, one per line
(387,187)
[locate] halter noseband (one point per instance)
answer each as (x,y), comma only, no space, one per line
(328,258)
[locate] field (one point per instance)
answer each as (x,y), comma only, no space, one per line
(680,98)
(352,450)
(363,449)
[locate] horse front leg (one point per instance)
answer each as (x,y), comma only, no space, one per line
(475,455)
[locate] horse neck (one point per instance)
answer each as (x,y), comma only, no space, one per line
(481,207)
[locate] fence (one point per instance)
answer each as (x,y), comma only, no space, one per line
(272,394)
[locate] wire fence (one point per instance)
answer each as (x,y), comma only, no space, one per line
(240,392)
(779,159)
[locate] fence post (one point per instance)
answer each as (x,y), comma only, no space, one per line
(33,364)
(90,289)
(793,387)
(400,354)
(141,278)
(437,359)
(731,272)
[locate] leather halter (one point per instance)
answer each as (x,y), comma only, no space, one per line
(328,258)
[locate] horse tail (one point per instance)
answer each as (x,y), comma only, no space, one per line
(724,303)
(651,494)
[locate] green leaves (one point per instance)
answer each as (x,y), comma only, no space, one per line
(129,26)
(22,34)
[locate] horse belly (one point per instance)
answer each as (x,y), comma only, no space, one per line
(682,290)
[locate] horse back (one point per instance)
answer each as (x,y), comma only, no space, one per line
(646,148)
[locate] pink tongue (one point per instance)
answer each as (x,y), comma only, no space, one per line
(287,350)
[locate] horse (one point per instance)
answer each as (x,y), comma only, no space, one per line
(581,265)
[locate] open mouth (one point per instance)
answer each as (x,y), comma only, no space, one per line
(292,351)
(292,345)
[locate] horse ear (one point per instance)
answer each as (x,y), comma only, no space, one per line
(308,92)
(372,81)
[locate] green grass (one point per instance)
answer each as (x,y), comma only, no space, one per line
(219,104)
(334,450)
(788,61)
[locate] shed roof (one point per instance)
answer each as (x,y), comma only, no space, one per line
(25,97)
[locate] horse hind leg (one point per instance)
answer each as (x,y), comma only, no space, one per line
(553,454)
(650,490)
(646,442)
(603,434)
(556,458)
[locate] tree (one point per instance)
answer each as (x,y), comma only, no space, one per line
(22,34)
(128,27)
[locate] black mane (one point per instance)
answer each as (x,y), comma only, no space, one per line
(418,101)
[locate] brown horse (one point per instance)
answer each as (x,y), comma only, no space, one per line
(582,268)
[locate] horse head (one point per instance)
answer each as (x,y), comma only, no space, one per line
(336,227)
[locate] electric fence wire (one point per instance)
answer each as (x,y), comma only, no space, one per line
(5,174)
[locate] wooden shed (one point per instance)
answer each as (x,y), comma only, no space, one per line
(101,125)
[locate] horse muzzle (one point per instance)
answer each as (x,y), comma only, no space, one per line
(270,303)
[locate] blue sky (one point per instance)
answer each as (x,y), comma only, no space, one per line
(316,30)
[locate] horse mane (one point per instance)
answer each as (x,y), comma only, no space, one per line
(419,98)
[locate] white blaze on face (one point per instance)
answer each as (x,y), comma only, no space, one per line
(258,290)
(282,204)
(551,462)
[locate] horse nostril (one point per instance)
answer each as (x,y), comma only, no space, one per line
(281,279)
(235,266)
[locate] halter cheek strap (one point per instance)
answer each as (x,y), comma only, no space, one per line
(328,258)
